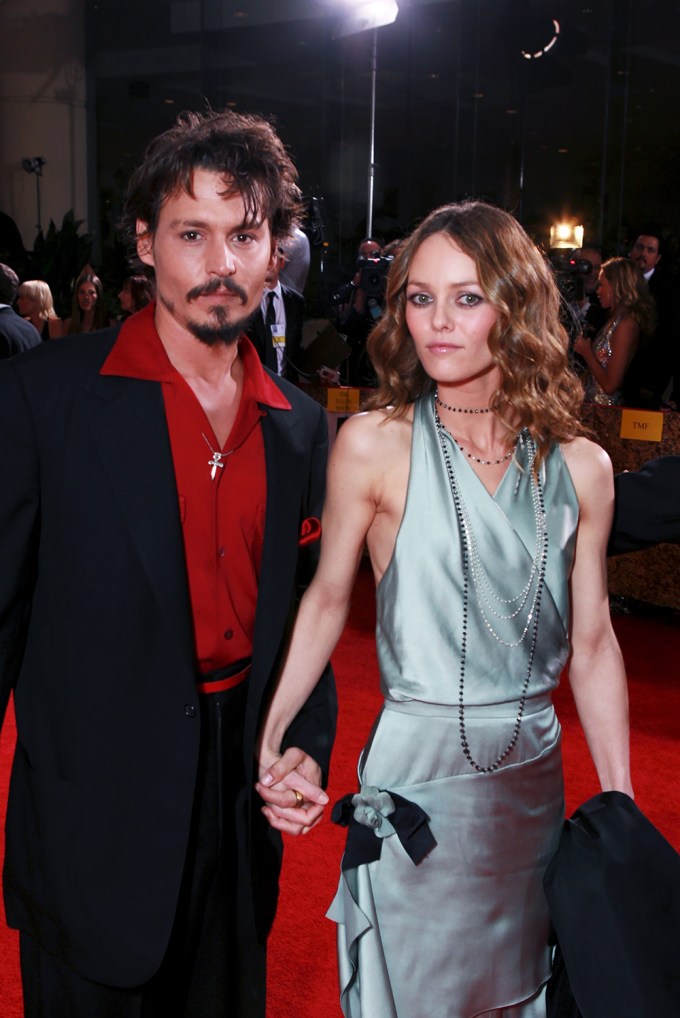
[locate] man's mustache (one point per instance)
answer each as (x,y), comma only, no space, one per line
(218,283)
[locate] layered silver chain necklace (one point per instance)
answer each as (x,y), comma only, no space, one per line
(490,604)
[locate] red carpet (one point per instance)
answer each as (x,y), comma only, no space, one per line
(302,973)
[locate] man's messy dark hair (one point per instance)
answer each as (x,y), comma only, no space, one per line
(244,150)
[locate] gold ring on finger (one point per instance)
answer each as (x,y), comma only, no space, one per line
(299,798)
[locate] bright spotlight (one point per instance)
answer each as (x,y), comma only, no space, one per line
(361,15)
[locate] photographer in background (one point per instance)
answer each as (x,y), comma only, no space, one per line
(576,273)
(358,307)
(590,311)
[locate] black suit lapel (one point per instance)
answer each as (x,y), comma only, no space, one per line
(129,428)
(285,487)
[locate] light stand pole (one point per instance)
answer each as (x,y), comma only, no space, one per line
(371,149)
(363,15)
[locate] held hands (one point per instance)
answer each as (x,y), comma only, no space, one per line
(291,789)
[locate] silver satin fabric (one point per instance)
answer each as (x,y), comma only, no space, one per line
(465,932)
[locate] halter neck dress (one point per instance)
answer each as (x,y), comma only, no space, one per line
(602,349)
(464,932)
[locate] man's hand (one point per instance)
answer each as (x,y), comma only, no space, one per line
(291,789)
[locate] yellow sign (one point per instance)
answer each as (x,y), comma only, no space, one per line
(344,400)
(642,425)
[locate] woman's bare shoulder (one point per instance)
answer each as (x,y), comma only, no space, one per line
(373,434)
(590,468)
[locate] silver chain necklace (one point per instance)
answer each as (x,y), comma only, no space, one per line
(472,567)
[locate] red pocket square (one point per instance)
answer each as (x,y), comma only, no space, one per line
(310,531)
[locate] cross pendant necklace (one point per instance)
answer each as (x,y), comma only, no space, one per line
(217,458)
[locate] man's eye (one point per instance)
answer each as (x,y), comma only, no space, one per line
(190,235)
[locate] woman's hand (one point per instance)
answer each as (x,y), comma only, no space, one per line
(290,786)
(582,345)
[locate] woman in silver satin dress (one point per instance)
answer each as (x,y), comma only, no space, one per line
(622,290)
(486,517)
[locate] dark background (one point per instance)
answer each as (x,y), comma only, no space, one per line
(589,130)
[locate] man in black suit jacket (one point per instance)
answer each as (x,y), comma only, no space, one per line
(159,499)
(648,377)
(16,334)
(277,336)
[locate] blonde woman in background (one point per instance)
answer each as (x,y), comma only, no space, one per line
(622,290)
(35,304)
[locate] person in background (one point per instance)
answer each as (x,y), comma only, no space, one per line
(35,304)
(88,310)
(653,375)
(588,308)
(623,292)
(16,334)
(486,514)
(360,305)
(369,247)
(297,258)
(159,503)
(276,332)
(135,293)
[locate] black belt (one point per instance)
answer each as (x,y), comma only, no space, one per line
(224,678)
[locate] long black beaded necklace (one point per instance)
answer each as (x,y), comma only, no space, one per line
(468,544)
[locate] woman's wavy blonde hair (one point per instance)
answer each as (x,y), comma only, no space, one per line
(40,292)
(538,389)
(630,292)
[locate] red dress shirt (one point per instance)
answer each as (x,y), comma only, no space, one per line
(222,518)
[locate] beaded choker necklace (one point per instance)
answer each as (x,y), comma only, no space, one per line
(461,409)
(493,608)
(471,410)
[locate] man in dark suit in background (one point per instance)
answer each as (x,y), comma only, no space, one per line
(648,377)
(16,334)
(159,499)
(276,332)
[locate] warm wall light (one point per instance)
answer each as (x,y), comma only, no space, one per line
(566,235)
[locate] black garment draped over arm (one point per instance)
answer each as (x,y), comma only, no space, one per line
(647,508)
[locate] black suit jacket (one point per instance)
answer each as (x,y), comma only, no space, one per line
(16,334)
(96,642)
(652,365)
(294,304)
(647,507)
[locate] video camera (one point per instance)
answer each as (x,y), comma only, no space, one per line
(564,261)
(373,276)
(570,273)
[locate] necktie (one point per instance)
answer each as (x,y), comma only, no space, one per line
(269,320)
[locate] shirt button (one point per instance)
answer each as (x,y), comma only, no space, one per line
(228,634)
(189,710)
(221,552)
